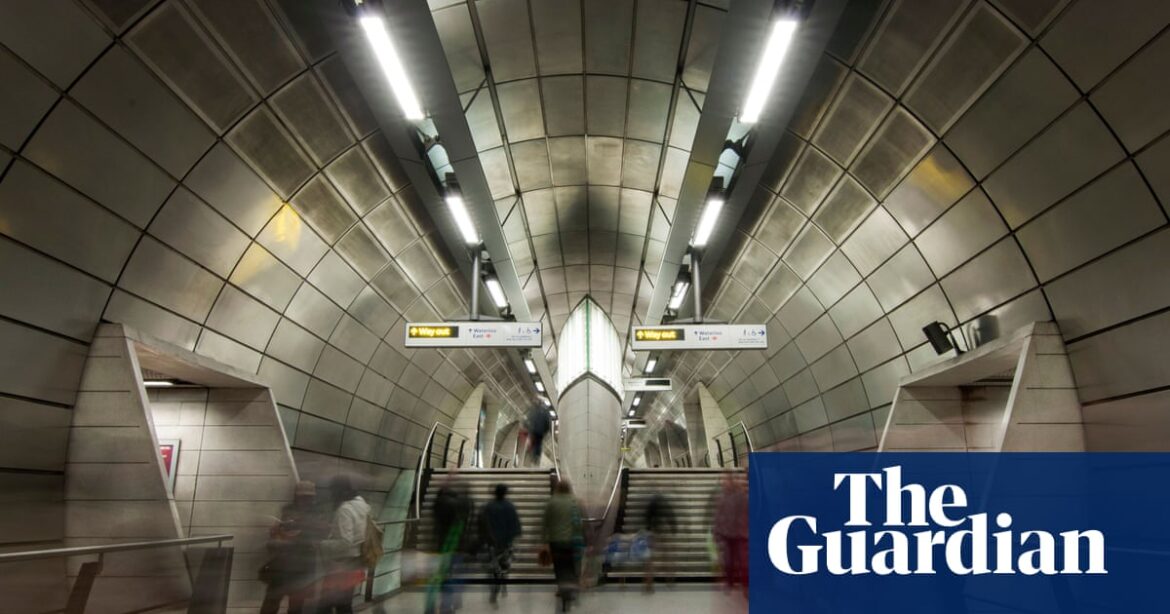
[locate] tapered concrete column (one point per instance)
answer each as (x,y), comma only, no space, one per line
(467,423)
(590,433)
(714,422)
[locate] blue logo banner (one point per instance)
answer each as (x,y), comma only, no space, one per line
(957,533)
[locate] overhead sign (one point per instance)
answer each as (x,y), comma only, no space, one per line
(646,384)
(701,337)
(473,334)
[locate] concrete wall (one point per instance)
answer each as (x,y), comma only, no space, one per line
(590,433)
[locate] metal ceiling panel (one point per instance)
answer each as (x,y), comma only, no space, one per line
(1090,39)
(421,265)
(48,294)
(567,156)
(320,204)
(26,100)
(166,278)
(896,146)
(395,287)
(905,38)
(649,110)
(704,43)
(564,104)
(336,279)
(635,211)
(931,188)
(481,120)
(460,48)
(833,369)
(508,37)
(605,105)
(362,251)
(780,284)
(755,261)
(874,345)
(541,211)
(548,253)
(306,110)
(261,140)
(390,223)
(557,28)
(818,339)
(243,318)
(843,209)
(856,311)
(1133,100)
(603,208)
(191,227)
(264,277)
(314,311)
(966,229)
(900,278)
(810,181)
(373,312)
(800,311)
(532,164)
(608,29)
(604,160)
(1099,374)
(909,319)
(875,240)
(1031,15)
(1076,148)
(251,35)
(355,177)
(1107,213)
(1028,96)
(835,278)
(852,119)
(58,40)
(521,108)
(347,95)
(658,33)
(779,226)
(640,163)
(992,278)
(821,87)
(808,251)
(983,45)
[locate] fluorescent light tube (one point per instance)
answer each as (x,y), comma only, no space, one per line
(650,364)
(530,365)
(680,292)
(783,31)
(637,401)
(158,383)
(497,292)
(462,219)
(379,36)
(707,222)
(546,402)
(631,414)
(539,386)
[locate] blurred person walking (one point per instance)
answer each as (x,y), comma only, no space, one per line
(292,565)
(539,425)
(659,517)
(452,511)
(499,526)
(562,531)
(341,551)
(731,531)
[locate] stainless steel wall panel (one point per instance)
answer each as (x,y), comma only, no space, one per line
(347,95)
(856,311)
(508,37)
(854,434)
(852,118)
(227,351)
(336,279)
(1123,360)
(34,436)
(659,29)
(608,28)
(296,244)
(810,416)
(778,287)
(363,252)
(881,383)
(900,277)
(964,230)
(904,39)
(1028,96)
(311,309)
(57,39)
(106,169)
(810,180)
(834,368)
(420,264)
(567,156)
(818,339)
(754,263)
(392,226)
(779,226)
(1125,284)
(338,369)
(1114,209)
(318,435)
(557,29)
(1031,15)
(226,183)
(240,317)
(874,345)
(287,384)
(453,25)
(604,160)
(640,161)
(48,294)
(163,276)
(1075,149)
(991,278)
(845,400)
(531,163)
(1091,38)
(898,144)
(127,97)
(321,205)
(801,387)
(909,319)
(706,31)
(800,311)
(876,239)
(834,279)
(823,84)
(980,48)
(261,140)
(186,224)
(520,106)
(388,362)
(1135,424)
(250,33)
(152,320)
(47,368)
(1133,101)
(605,108)
(480,114)
(354,175)
(263,276)
(843,209)
(25,100)
(170,42)
(808,251)
(42,213)
(1155,165)
(364,416)
(931,188)
(306,111)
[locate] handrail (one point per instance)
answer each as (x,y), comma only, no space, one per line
(616,483)
(384,523)
(12,557)
(556,451)
(747,436)
(425,458)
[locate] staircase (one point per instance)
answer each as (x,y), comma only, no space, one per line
(692,494)
(528,490)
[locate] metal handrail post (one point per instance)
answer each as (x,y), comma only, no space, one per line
(734,452)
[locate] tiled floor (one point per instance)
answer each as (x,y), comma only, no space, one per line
(678,599)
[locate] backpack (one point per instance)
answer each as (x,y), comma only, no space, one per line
(372,549)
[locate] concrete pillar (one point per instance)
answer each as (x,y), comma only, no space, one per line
(590,436)
(696,429)
(467,423)
(714,422)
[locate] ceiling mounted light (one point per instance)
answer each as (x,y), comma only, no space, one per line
(650,364)
(539,386)
(530,365)
(378,34)
(158,383)
(552,413)
(631,414)
(678,293)
(462,217)
(545,401)
(707,221)
(783,31)
(637,400)
(497,292)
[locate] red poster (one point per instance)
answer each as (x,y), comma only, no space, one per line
(168,456)
(168,450)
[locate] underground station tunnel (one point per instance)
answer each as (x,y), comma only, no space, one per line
(593,305)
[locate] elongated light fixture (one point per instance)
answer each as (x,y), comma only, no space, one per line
(379,36)
(678,294)
(637,401)
(497,292)
(462,218)
(707,221)
(539,386)
(158,383)
(783,31)
(545,401)
(631,414)
(530,365)
(650,364)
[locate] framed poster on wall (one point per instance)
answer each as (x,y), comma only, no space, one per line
(168,449)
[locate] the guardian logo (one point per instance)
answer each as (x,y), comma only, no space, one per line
(946,538)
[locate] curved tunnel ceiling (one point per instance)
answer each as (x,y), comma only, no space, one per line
(209,173)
